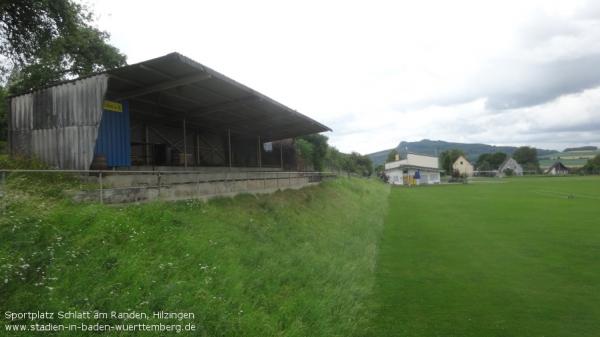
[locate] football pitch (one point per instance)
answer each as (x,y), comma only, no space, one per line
(498,257)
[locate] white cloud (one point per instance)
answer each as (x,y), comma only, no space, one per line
(377,72)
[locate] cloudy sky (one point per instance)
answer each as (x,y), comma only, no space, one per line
(505,72)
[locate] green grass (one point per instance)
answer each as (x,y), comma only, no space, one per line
(294,263)
(511,257)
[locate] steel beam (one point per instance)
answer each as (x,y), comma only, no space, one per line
(164,86)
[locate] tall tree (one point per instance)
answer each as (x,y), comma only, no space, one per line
(3,121)
(592,166)
(448,157)
(43,41)
(490,161)
(318,149)
(391,156)
(527,157)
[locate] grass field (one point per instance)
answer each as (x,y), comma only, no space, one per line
(294,263)
(497,257)
(511,257)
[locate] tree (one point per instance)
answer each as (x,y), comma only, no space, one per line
(305,150)
(44,41)
(363,163)
(490,161)
(333,159)
(448,157)
(3,127)
(592,166)
(527,157)
(313,148)
(391,156)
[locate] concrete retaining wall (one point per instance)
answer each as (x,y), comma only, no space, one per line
(125,188)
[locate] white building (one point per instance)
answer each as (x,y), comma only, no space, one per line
(463,166)
(414,170)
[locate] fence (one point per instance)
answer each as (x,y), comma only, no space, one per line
(120,186)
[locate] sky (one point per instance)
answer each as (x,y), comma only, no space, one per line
(379,72)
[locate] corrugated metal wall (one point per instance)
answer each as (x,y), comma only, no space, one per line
(59,125)
(114,137)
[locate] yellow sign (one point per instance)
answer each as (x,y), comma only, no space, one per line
(113,106)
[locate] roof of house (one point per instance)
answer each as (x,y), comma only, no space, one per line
(464,159)
(508,159)
(557,165)
(421,168)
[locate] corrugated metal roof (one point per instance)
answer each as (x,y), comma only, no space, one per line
(214,101)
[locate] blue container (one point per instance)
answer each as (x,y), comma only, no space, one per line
(114,135)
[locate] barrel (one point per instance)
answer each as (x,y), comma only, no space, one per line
(99,162)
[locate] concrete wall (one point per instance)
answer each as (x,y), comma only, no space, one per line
(124,188)
(414,160)
(397,177)
(424,161)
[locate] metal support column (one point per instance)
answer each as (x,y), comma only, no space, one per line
(198,148)
(258,152)
(184,145)
(281,155)
(146,144)
(229,145)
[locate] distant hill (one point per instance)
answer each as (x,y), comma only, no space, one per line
(434,147)
(581,148)
(572,158)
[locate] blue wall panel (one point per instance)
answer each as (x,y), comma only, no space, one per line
(114,137)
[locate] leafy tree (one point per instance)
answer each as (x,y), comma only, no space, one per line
(314,149)
(592,166)
(490,161)
(333,159)
(448,157)
(304,149)
(527,157)
(3,121)
(43,41)
(391,156)
(364,165)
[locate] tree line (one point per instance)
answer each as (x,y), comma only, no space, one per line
(526,156)
(314,150)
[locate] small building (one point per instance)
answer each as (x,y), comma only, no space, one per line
(557,169)
(414,170)
(463,166)
(510,165)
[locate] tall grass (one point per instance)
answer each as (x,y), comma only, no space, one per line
(294,263)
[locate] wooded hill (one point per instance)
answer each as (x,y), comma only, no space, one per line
(435,147)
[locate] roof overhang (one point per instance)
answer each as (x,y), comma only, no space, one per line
(173,87)
(421,168)
(176,87)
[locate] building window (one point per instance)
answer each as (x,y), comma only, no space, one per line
(268,147)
